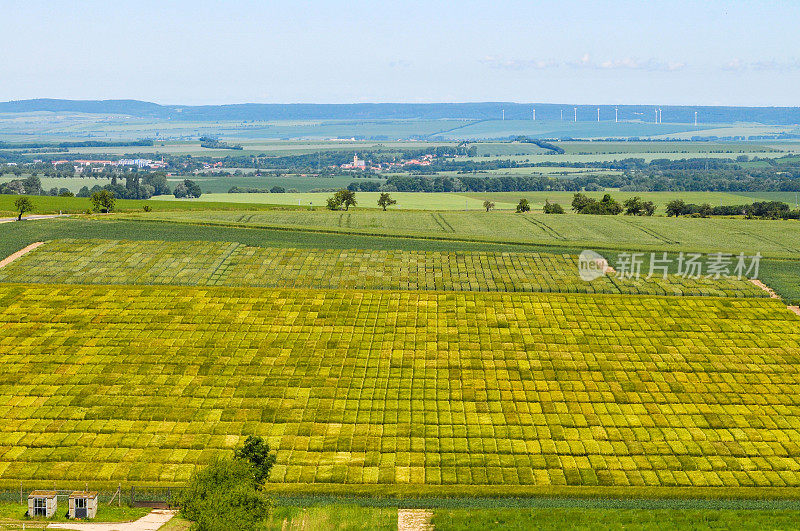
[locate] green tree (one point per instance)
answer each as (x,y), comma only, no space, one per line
(634,206)
(192,188)
(158,181)
(225,496)
(552,208)
(523,206)
(22,205)
(385,200)
(256,451)
(488,205)
(277,190)
(581,201)
(649,208)
(705,210)
(180,191)
(103,201)
(334,203)
(676,207)
(346,198)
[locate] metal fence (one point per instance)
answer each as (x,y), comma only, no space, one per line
(154,496)
(140,495)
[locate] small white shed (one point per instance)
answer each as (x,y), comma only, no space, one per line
(82,504)
(42,503)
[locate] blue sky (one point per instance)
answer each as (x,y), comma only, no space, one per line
(195,52)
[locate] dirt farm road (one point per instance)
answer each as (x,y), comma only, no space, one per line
(150,522)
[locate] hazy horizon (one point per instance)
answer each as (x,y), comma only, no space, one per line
(658,53)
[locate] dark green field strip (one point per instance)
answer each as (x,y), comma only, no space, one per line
(72,261)
(144,384)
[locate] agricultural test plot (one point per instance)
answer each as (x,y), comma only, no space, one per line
(107,383)
(232,264)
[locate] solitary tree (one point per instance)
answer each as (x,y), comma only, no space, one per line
(23,204)
(103,201)
(488,205)
(342,198)
(386,200)
(523,206)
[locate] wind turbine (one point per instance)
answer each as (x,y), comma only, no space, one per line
(576,113)
(695,118)
(616,115)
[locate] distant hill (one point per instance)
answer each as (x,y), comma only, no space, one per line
(429,111)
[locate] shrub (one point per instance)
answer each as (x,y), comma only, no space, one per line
(225,495)
(552,208)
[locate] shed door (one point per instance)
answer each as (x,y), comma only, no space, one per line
(80,507)
(39,507)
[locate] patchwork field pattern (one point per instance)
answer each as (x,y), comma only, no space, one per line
(232,264)
(367,387)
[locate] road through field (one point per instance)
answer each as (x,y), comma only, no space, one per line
(150,522)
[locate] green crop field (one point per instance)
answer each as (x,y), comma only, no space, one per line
(233,264)
(369,200)
(773,238)
(144,384)
(53,205)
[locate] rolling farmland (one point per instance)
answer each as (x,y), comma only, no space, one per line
(774,238)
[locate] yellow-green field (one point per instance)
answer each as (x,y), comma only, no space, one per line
(144,384)
(232,264)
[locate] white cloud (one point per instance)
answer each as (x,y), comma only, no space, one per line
(585,61)
(738,64)
(493,61)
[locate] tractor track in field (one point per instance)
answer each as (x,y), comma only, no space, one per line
(441,223)
(649,232)
(450,227)
(743,232)
(547,229)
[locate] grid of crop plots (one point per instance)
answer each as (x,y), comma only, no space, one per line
(232,264)
(145,383)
